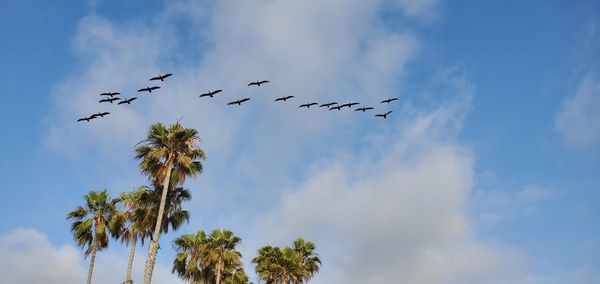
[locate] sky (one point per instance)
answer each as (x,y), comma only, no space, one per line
(486,171)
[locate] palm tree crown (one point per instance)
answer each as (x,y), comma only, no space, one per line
(284,265)
(93,223)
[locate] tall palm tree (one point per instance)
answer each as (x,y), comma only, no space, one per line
(221,252)
(165,153)
(92,224)
(286,265)
(134,227)
(190,260)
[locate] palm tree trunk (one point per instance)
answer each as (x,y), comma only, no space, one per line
(128,279)
(153,247)
(91,269)
(218,270)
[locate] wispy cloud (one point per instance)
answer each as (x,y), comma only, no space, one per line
(579,119)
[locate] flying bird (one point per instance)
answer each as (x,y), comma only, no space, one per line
(283,98)
(349,105)
(100,114)
(111,100)
(258,83)
(110,94)
(127,101)
(388,100)
(211,94)
(238,102)
(328,104)
(149,89)
(363,109)
(161,77)
(308,105)
(384,115)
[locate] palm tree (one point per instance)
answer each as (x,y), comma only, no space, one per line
(134,227)
(93,222)
(287,264)
(167,152)
(173,214)
(190,260)
(221,252)
(310,261)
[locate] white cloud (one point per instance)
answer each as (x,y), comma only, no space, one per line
(29,257)
(579,119)
(394,214)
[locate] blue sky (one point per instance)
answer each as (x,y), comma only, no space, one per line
(496,129)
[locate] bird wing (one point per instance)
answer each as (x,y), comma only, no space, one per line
(232,103)
(253,83)
(216,92)
(143,89)
(279,99)
(368,108)
(388,112)
(105,113)
(167,75)
(155,78)
(263,81)
(123,102)
(103,100)
(205,94)
(244,100)
(312,104)
(154,88)
(132,99)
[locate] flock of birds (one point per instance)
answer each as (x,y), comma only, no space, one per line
(111,97)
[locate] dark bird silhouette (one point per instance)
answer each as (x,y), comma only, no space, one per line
(348,105)
(99,114)
(338,107)
(211,94)
(388,100)
(111,100)
(127,101)
(363,109)
(238,102)
(258,83)
(283,98)
(149,89)
(110,94)
(308,105)
(384,115)
(161,77)
(328,104)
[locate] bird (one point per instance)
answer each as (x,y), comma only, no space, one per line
(127,101)
(388,100)
(211,93)
(258,83)
(238,102)
(110,94)
(308,105)
(338,107)
(111,100)
(161,77)
(349,105)
(328,104)
(149,89)
(283,98)
(363,109)
(384,115)
(99,114)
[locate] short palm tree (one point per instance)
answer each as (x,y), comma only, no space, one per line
(189,263)
(166,153)
(310,261)
(221,252)
(93,223)
(286,265)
